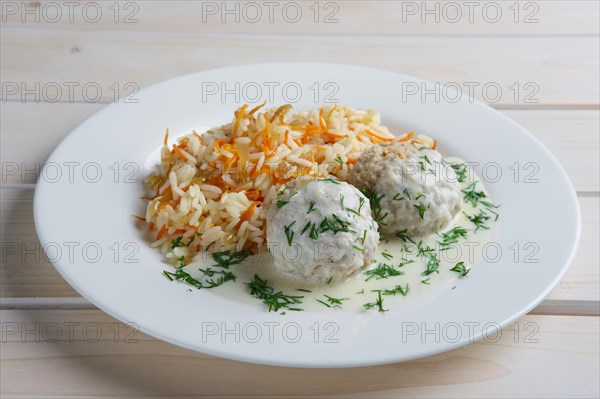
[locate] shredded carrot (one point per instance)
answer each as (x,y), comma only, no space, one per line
(139,218)
(322,121)
(247,213)
(252,194)
(166,137)
(253,110)
(280,111)
(329,114)
(178,152)
(407,137)
(373,135)
(161,232)
(197,135)
(236,125)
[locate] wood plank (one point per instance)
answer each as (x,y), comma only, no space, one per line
(572,136)
(541,67)
(25,271)
(78,353)
(32,130)
(322,17)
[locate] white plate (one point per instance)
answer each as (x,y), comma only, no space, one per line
(74,205)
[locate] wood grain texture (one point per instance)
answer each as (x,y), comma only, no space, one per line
(558,70)
(26,272)
(87,353)
(32,130)
(317,17)
(553,352)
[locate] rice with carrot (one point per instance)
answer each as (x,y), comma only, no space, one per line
(212,191)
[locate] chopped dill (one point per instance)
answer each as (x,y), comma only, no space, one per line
(375,202)
(397,290)
(274,300)
(421,209)
(177,243)
(377,304)
(403,235)
(452,236)
(289,234)
(471,196)
(461,269)
(383,270)
(432,261)
(332,302)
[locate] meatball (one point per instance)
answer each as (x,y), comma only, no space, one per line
(321,231)
(412,192)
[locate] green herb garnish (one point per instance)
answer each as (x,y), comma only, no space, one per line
(289,234)
(383,270)
(228,258)
(432,261)
(274,300)
(397,290)
(375,202)
(461,269)
(421,209)
(332,302)
(403,235)
(177,243)
(378,303)
(471,196)
(451,237)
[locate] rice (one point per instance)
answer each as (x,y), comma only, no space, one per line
(214,190)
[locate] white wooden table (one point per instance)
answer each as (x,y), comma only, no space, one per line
(544,55)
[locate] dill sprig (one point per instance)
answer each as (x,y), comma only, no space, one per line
(452,236)
(377,304)
(383,270)
(471,195)
(403,235)
(397,290)
(332,302)
(431,260)
(228,258)
(375,202)
(461,269)
(289,234)
(211,277)
(479,220)
(460,169)
(274,300)
(421,208)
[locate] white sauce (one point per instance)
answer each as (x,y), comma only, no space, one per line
(357,289)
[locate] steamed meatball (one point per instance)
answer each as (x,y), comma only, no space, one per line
(321,231)
(412,192)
